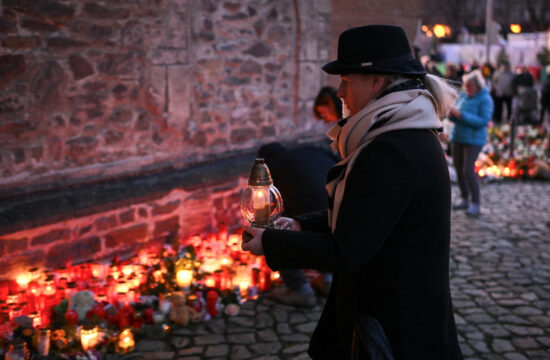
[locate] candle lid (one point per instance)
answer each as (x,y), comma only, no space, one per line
(260,175)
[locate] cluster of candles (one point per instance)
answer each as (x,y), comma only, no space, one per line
(498,171)
(219,260)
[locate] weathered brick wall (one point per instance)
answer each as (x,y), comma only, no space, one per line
(123,230)
(93,89)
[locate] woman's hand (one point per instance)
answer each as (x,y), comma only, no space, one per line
(285,223)
(454,112)
(254,245)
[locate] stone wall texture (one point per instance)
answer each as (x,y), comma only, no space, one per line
(107,88)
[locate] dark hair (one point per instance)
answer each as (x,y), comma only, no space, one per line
(327,97)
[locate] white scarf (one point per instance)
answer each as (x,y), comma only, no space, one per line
(407,109)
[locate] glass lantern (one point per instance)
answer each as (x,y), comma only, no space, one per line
(261,202)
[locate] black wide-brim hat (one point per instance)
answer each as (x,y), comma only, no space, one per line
(375,49)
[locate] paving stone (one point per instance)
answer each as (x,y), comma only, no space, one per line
(244,338)
(515,356)
(180,342)
(240,352)
(501,345)
(524,330)
(495,330)
(243,322)
(477,335)
(479,318)
(209,339)
(146,345)
(480,346)
(537,354)
(191,351)
(295,348)
(512,319)
(302,356)
(283,329)
(216,326)
(527,310)
(280,315)
(296,318)
(544,340)
(467,350)
(266,348)
(525,343)
(263,320)
(295,338)
(267,335)
(217,350)
(307,327)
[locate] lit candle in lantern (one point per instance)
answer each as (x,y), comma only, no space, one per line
(210,282)
(243,286)
(210,265)
(157,275)
(36,318)
(260,204)
(89,338)
(126,341)
(225,261)
(23,281)
(34,288)
(234,242)
(43,342)
(184,278)
(49,288)
(122,287)
(127,270)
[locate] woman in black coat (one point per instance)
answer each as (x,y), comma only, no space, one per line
(386,233)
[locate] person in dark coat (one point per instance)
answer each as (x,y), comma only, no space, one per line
(386,233)
(299,175)
(545,96)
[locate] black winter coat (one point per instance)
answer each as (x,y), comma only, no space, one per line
(390,248)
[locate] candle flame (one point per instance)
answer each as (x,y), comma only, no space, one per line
(23,281)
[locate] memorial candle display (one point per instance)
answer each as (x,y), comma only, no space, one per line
(111,299)
(199,265)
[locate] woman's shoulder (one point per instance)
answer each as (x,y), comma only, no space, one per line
(484,93)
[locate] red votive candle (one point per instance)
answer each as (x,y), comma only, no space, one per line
(211,302)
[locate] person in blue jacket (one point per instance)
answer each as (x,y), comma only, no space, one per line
(472,113)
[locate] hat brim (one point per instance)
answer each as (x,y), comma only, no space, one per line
(410,68)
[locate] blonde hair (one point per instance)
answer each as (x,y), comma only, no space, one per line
(443,92)
(475,77)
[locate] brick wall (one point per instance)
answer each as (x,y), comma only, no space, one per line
(123,230)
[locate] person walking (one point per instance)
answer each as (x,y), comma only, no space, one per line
(471,115)
(503,91)
(545,96)
(386,232)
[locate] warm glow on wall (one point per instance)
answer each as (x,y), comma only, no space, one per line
(515,28)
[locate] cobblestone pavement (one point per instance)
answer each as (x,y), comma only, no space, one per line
(500,279)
